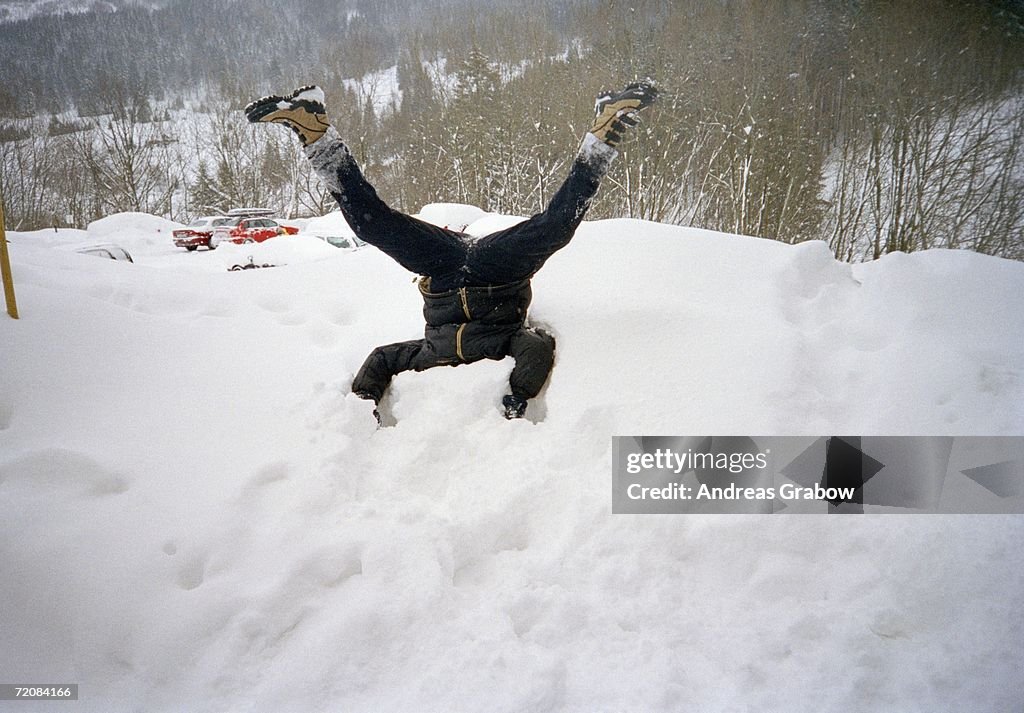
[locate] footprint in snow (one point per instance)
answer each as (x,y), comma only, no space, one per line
(65,471)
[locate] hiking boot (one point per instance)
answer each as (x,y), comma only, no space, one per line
(515,407)
(615,112)
(303,112)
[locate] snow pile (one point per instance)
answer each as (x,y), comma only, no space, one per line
(194,515)
(466,218)
(136,232)
(454,216)
(282,250)
(66,238)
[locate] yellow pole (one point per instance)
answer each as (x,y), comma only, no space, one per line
(5,269)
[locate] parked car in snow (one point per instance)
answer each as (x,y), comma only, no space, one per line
(334,230)
(104,250)
(350,242)
(199,231)
(249,230)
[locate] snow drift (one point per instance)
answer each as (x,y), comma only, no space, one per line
(194,515)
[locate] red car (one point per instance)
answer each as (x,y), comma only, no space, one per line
(199,232)
(249,230)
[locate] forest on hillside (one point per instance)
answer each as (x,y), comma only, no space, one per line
(875,126)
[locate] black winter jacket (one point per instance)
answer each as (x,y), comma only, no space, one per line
(472,323)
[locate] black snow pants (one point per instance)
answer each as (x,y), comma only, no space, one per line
(484,271)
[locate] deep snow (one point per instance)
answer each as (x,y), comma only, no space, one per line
(195,516)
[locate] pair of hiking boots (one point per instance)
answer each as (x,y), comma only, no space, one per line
(304,112)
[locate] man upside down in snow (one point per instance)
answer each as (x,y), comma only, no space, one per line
(475,291)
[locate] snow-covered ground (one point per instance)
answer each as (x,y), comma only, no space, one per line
(194,515)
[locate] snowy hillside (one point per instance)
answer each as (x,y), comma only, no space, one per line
(194,515)
(16,10)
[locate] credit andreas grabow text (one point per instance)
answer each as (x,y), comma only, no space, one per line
(817,474)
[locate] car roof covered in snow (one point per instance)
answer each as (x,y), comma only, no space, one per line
(244,212)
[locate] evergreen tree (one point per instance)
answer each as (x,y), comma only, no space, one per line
(473,123)
(204,196)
